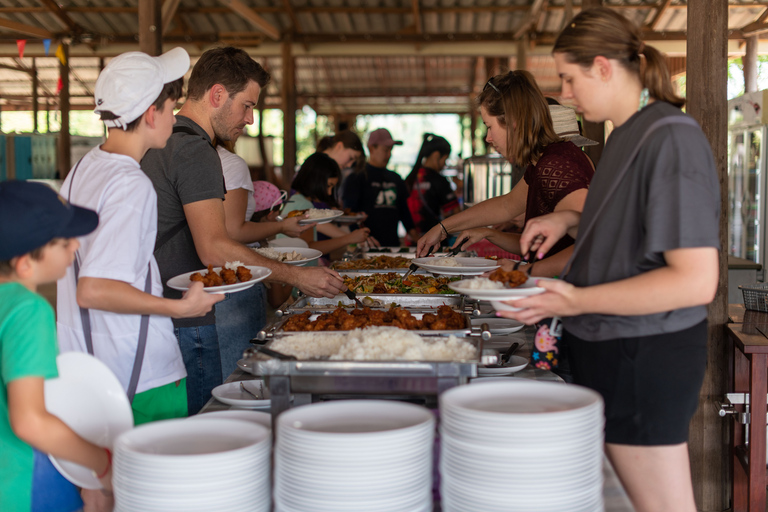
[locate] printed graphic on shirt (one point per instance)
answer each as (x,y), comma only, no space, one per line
(387,197)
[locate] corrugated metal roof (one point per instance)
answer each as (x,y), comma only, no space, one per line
(351,56)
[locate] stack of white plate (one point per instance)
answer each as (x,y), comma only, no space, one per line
(528,446)
(354,455)
(194,466)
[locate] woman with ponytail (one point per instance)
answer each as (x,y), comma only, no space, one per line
(432,198)
(557,172)
(645,263)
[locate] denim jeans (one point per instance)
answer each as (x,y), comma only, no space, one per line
(239,318)
(200,350)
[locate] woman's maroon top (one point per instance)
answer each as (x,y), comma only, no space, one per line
(563,168)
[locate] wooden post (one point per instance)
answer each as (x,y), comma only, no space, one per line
(594,131)
(750,65)
(522,52)
(65,150)
(472,130)
(289,113)
(706,84)
(35,106)
(150,27)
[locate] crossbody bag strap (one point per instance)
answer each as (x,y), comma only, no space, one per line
(620,176)
(85,316)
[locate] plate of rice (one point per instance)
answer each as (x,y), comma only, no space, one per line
(320,216)
(298,256)
(482,288)
(456,266)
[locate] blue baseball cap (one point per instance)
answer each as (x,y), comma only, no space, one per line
(33,214)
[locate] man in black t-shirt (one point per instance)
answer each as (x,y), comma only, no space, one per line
(380,193)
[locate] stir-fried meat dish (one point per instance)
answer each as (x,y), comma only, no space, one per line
(511,279)
(375,263)
(343,320)
(393,283)
(225,276)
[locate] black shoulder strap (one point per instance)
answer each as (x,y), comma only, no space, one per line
(180,225)
(620,176)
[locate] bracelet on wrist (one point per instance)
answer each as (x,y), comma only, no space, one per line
(109,464)
(444,230)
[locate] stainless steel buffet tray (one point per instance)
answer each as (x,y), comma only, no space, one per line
(410,301)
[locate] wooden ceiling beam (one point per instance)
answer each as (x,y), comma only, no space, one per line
(417,17)
(659,13)
(167,13)
(21,69)
(756,27)
(27,30)
(292,15)
(254,19)
(533,16)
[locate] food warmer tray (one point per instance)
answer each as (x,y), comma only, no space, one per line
(308,378)
(410,301)
(275,329)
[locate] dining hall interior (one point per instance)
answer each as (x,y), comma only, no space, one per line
(345,60)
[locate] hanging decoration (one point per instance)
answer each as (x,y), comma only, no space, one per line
(20,44)
(59,85)
(47,46)
(60,54)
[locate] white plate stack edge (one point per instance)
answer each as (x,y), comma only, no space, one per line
(354,455)
(194,466)
(521,446)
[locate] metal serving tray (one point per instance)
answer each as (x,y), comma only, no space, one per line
(276,328)
(409,301)
(386,378)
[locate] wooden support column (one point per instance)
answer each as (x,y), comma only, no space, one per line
(594,131)
(706,84)
(35,105)
(65,149)
(472,130)
(522,52)
(150,27)
(750,64)
(289,113)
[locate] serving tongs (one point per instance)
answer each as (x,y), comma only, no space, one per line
(503,359)
(414,267)
(456,250)
(269,352)
(530,258)
(353,296)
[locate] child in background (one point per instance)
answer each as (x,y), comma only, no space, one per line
(37,244)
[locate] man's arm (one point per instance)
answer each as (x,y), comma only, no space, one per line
(214,247)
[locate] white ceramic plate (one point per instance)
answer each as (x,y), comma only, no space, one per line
(91,401)
(262,418)
(500,306)
(514,365)
(499,326)
(247,368)
(182,282)
(307,253)
(467,266)
(524,290)
(231,394)
(324,220)
(350,219)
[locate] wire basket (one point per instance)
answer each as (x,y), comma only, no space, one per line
(755,296)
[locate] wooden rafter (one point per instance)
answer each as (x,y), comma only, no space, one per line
(167,13)
(530,21)
(417,16)
(27,30)
(292,15)
(758,26)
(254,19)
(59,13)
(660,10)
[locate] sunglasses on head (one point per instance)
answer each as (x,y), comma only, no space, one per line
(490,84)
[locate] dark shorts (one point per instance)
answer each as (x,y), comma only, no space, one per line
(650,384)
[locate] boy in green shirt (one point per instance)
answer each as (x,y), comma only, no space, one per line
(37,244)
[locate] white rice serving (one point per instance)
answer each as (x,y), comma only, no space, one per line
(374,344)
(272,254)
(482,283)
(317,213)
(445,262)
(232,265)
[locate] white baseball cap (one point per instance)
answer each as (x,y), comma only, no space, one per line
(133,81)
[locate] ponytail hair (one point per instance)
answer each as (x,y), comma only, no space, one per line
(429,145)
(603,32)
(348,139)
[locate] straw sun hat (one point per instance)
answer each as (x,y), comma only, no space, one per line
(567,126)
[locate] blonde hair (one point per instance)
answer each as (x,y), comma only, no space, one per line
(603,32)
(515,99)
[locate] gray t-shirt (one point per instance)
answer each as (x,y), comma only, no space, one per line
(185,171)
(668,199)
